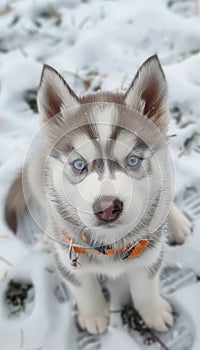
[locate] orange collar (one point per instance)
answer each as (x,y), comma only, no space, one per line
(129,251)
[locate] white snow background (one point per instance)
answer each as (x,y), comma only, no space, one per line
(94,44)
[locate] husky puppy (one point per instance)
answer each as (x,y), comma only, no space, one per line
(101,175)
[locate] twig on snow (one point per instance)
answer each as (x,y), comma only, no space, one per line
(5,261)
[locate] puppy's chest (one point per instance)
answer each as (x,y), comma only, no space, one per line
(109,260)
(102,253)
(110,265)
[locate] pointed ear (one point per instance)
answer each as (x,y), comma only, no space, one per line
(148,92)
(54,94)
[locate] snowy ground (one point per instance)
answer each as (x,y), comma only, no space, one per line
(95,44)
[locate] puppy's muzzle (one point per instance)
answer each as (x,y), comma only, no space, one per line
(108,210)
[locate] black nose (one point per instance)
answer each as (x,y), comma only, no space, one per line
(108,209)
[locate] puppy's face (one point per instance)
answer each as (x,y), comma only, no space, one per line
(107,159)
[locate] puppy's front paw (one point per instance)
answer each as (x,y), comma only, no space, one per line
(160,317)
(95,323)
(180,228)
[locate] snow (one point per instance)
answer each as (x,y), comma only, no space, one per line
(189,298)
(103,41)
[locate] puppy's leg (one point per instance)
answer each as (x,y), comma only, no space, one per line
(179,226)
(93,309)
(155,310)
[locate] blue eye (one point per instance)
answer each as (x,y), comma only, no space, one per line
(79,164)
(133,161)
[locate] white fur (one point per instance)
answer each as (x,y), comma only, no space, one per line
(155,310)
(85,146)
(123,145)
(179,226)
(132,193)
(93,311)
(104,119)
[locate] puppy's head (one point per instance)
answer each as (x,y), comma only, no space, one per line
(107,154)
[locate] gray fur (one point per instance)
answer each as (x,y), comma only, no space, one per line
(88,128)
(15,203)
(104,154)
(153,270)
(67,275)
